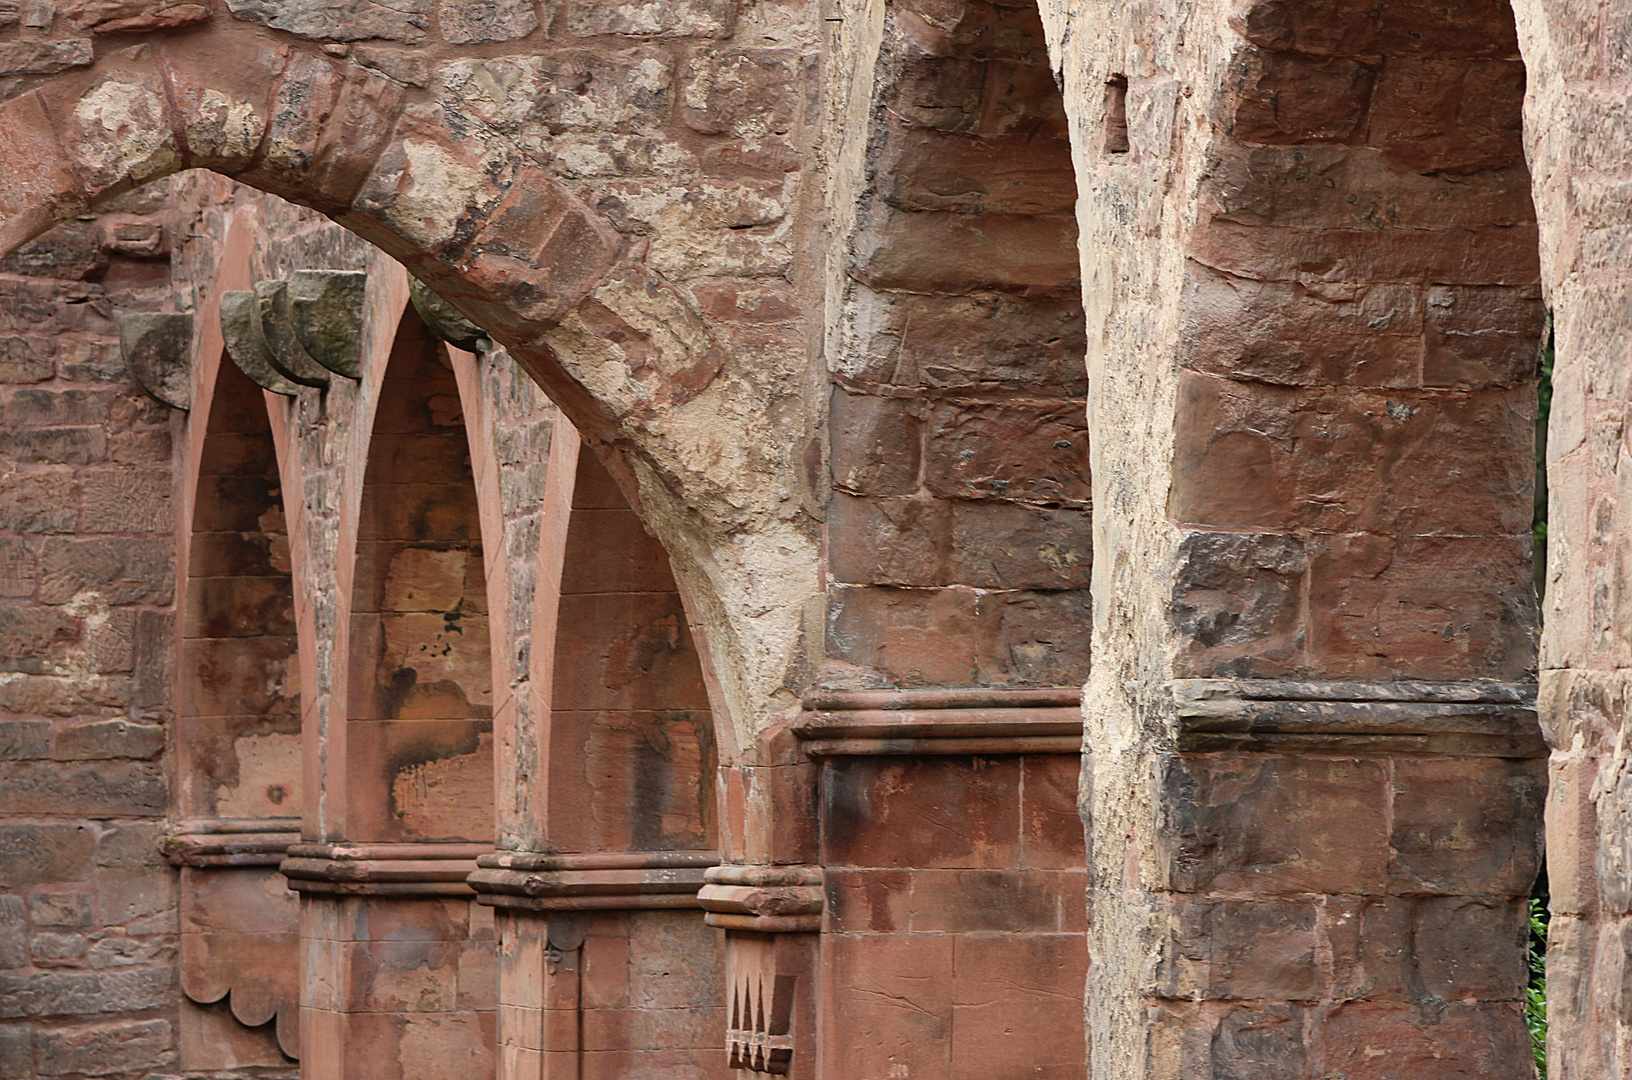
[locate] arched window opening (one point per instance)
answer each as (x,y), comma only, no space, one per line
(420,706)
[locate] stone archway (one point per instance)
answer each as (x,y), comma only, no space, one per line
(431,171)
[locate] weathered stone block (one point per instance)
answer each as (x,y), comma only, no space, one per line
(53,950)
(37,640)
(55,446)
(1356,28)
(38,502)
(973,343)
(748,93)
(117,16)
(889,541)
(653,18)
(1256,1042)
(125,789)
(1433,607)
(101,739)
(1286,99)
(43,57)
(1241,824)
(22,740)
(1487,841)
(13,932)
(1472,947)
(941,252)
(1482,99)
(119,571)
(1335,187)
(1242,950)
(997,545)
(70,992)
(1238,600)
(1381,1040)
(16,1052)
(1034,638)
(904,636)
(67,909)
(104,1048)
(350,20)
(875,444)
(942,812)
(1257,456)
(981,97)
(532,97)
(25,360)
(32,854)
(1025,451)
(463,22)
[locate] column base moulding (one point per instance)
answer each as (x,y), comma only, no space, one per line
(600,881)
(1459,719)
(382,869)
(1046,720)
(230,842)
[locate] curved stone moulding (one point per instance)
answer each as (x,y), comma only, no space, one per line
(283,348)
(1459,719)
(241,330)
(763,899)
(158,351)
(230,842)
(326,312)
(600,881)
(428,869)
(446,322)
(1042,720)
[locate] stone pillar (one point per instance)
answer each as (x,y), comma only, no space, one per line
(602,970)
(1579,150)
(1312,312)
(396,962)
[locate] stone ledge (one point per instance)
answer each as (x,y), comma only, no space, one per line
(230,842)
(941,720)
(1459,719)
(598,881)
(382,869)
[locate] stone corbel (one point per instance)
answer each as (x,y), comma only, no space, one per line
(601,881)
(158,351)
(382,869)
(769,914)
(443,320)
(326,311)
(277,326)
(239,925)
(763,899)
(241,331)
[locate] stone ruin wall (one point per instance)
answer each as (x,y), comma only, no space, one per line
(837,367)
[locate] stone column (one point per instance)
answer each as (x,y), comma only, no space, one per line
(1579,149)
(1312,321)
